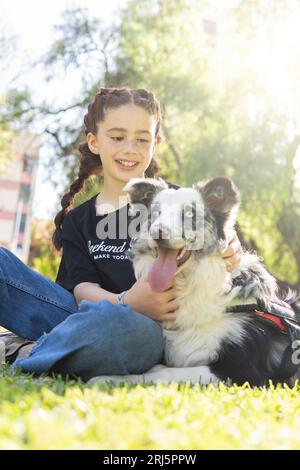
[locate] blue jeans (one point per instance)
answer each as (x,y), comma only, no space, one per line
(82,341)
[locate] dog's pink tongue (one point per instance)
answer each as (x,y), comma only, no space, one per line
(163,269)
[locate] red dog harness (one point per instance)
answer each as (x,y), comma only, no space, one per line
(273,318)
(282,317)
(278,313)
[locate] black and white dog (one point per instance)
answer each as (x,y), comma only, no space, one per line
(229,325)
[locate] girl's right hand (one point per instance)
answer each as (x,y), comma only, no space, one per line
(156,305)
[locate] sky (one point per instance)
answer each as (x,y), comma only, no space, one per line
(31,22)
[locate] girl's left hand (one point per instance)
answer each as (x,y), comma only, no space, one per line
(232,254)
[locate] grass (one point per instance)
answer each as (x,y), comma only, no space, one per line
(52,413)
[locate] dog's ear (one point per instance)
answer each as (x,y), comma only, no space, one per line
(219,194)
(143,190)
(222,198)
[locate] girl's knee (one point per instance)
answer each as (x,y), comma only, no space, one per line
(148,348)
(132,338)
(120,319)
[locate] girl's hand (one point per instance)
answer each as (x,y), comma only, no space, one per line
(156,305)
(232,254)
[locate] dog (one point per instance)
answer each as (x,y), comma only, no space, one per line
(229,325)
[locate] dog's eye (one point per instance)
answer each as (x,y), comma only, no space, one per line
(155,211)
(188,213)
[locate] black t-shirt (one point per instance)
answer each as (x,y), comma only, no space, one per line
(88,258)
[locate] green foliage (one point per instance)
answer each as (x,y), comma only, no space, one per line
(6,137)
(42,257)
(17,107)
(47,262)
(207,120)
(5,146)
(51,413)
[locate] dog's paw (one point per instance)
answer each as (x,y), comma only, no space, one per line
(117,379)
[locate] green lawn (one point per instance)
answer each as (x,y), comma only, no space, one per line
(48,413)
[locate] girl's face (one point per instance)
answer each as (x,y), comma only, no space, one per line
(125,142)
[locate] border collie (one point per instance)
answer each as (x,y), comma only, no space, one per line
(229,325)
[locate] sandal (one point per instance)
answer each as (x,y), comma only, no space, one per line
(13,345)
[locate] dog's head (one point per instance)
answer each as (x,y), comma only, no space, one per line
(181,224)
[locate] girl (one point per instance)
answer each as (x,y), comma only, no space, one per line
(96,319)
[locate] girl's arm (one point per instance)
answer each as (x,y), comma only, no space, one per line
(93,292)
(156,305)
(141,297)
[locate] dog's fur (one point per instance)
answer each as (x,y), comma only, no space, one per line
(207,343)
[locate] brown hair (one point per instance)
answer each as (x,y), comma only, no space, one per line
(90,163)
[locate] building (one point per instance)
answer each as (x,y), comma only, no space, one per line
(17,186)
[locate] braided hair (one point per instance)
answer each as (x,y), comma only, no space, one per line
(90,163)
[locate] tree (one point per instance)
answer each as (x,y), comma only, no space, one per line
(220,114)
(7,45)
(5,145)
(42,256)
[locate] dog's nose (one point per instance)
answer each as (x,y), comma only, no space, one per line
(160,232)
(163,233)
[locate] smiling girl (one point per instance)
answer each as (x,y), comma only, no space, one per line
(96,319)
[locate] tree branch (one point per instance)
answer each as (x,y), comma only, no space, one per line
(173,150)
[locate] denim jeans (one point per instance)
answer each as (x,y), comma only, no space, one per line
(82,341)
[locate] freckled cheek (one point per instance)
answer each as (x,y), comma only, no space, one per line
(109,150)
